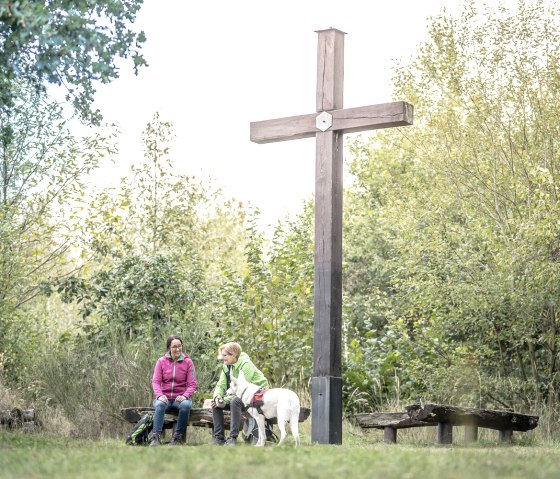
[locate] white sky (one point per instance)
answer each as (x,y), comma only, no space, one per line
(217,65)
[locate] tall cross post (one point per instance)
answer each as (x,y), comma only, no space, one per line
(328,125)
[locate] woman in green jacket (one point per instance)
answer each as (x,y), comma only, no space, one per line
(234,361)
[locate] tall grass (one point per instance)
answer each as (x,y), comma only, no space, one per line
(79,390)
(86,385)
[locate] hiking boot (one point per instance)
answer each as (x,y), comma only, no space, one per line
(219,441)
(156,439)
(177,440)
(231,441)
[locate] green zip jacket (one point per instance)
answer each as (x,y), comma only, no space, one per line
(250,371)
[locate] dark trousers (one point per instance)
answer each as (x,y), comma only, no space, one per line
(235,407)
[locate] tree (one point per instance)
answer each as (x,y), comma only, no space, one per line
(141,295)
(42,172)
(155,209)
(271,302)
(42,169)
(70,43)
(472,228)
(151,247)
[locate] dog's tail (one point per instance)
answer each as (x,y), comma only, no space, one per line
(294,417)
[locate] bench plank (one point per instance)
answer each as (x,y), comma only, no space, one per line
(395,420)
(201,417)
(461,416)
(445,417)
(389,422)
(198,417)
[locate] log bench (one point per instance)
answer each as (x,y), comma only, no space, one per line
(389,422)
(199,417)
(445,417)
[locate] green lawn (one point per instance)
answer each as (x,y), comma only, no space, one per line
(35,456)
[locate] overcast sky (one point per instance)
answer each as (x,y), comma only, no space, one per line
(217,65)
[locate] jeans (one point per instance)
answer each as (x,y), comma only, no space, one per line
(235,406)
(184,408)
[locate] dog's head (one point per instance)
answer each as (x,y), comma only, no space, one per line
(236,384)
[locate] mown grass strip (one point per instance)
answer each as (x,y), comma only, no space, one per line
(35,456)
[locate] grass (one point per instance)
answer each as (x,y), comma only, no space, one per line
(39,456)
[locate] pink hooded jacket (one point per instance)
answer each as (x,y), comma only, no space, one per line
(174,378)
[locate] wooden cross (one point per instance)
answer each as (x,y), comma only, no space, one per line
(328,126)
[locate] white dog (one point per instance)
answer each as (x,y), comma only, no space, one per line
(281,403)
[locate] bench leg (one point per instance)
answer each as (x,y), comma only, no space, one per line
(506,435)
(471,433)
(390,435)
(444,433)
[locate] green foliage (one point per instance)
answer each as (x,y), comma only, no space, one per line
(454,232)
(42,172)
(451,273)
(141,294)
(89,382)
(69,43)
(156,210)
(150,250)
(269,309)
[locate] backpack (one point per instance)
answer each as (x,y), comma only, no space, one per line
(138,435)
(251,430)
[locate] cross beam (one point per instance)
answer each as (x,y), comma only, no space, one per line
(328,126)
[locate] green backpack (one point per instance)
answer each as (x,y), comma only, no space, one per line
(138,435)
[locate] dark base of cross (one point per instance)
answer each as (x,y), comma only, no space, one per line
(328,126)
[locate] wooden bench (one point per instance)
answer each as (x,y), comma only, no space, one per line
(445,417)
(199,417)
(389,422)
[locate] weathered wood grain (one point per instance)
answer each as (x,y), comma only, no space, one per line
(460,416)
(330,69)
(348,120)
(381,420)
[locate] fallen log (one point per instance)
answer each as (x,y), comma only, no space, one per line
(17,415)
(17,418)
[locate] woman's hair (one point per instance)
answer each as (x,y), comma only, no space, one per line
(232,348)
(170,339)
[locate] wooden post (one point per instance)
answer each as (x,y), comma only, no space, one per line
(471,433)
(328,126)
(445,433)
(390,435)
(326,391)
(506,435)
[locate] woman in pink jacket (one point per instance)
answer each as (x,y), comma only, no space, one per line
(174,383)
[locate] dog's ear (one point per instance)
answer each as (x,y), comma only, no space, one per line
(241,376)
